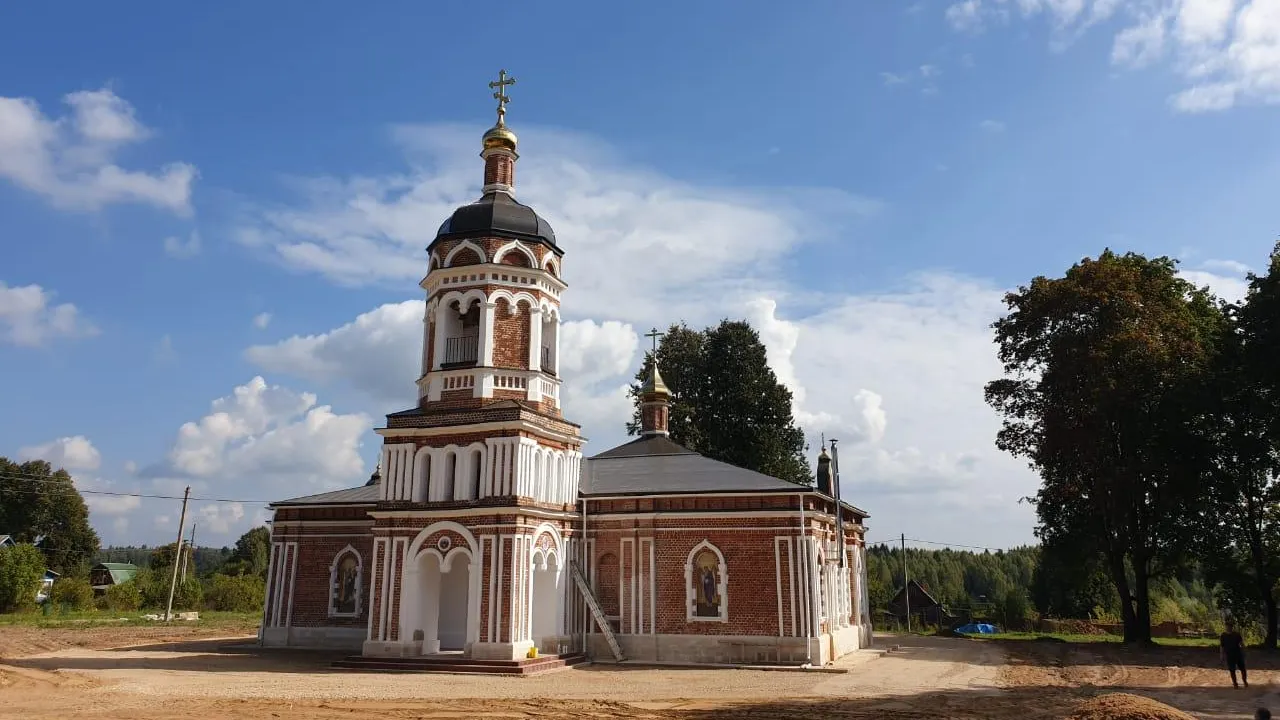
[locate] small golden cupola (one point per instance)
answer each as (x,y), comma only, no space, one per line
(655,398)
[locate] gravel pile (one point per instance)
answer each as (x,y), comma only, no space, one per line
(1123,706)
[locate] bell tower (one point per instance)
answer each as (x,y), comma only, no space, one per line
(484,465)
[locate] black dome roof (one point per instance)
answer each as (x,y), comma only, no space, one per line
(497,214)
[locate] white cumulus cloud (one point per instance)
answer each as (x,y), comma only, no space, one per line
(28,317)
(70,160)
(71,453)
(1227,52)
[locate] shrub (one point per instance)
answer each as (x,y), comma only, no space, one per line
(21,573)
(154,589)
(241,593)
(72,594)
(123,597)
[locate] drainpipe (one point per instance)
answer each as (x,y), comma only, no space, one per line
(586,624)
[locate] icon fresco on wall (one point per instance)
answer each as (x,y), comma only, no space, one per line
(348,582)
(706,577)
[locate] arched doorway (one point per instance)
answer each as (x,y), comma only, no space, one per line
(548,602)
(444,600)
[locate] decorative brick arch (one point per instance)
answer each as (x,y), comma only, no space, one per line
(516,246)
(419,543)
(542,550)
(513,299)
(340,574)
(698,562)
(465,245)
(551,265)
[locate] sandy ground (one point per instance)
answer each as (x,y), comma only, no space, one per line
(183,678)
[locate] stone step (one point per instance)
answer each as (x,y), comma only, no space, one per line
(465,666)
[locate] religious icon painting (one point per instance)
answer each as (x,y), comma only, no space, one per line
(347,582)
(706,579)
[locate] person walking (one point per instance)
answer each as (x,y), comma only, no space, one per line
(1231,649)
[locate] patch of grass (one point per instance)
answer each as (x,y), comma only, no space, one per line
(107,618)
(1074,638)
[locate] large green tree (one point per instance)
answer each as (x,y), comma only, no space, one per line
(726,402)
(251,554)
(1104,369)
(1241,523)
(39,503)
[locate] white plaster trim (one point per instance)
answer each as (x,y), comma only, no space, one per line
(378,543)
(270,587)
(467,244)
(470,428)
(292,547)
(516,245)
(722,586)
(333,582)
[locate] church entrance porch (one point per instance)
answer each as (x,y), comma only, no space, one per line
(548,631)
(443,600)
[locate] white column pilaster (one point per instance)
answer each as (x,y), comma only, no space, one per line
(555,349)
(535,338)
(441,309)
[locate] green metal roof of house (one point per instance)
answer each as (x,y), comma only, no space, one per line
(120,572)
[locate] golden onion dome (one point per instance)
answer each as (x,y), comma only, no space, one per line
(499,136)
(654,384)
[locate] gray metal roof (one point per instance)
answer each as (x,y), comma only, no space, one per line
(365,494)
(6,540)
(656,465)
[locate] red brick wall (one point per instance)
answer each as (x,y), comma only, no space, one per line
(311,586)
(511,335)
(499,167)
(466,256)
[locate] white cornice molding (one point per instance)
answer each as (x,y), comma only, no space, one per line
(470,428)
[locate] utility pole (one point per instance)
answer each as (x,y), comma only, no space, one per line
(906,578)
(173,583)
(189,556)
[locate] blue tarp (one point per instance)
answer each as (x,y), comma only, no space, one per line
(977,629)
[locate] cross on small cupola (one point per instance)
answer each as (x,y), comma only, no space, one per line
(499,142)
(655,398)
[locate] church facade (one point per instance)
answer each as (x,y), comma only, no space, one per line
(486,533)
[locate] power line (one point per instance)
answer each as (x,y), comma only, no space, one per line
(944,544)
(112,493)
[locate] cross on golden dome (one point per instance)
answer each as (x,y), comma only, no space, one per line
(502,83)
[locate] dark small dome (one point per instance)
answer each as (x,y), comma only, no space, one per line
(497,214)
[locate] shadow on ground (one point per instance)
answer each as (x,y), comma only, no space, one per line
(1030,703)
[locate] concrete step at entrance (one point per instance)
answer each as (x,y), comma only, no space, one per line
(460,665)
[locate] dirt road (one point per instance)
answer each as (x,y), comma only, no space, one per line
(929,677)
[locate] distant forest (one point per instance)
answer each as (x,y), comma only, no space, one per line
(208,560)
(1025,582)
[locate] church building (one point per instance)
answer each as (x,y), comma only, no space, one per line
(487,536)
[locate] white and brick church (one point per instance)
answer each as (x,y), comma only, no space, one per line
(486,533)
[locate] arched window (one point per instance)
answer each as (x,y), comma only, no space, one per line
(464,256)
(422,484)
(448,476)
(706,584)
(473,483)
(346,578)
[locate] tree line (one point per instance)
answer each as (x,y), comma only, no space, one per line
(46,516)
(1150,409)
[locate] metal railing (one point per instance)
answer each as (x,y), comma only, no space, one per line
(461,350)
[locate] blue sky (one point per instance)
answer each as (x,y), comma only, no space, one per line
(234,191)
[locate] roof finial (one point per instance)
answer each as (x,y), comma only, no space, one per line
(501,95)
(655,335)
